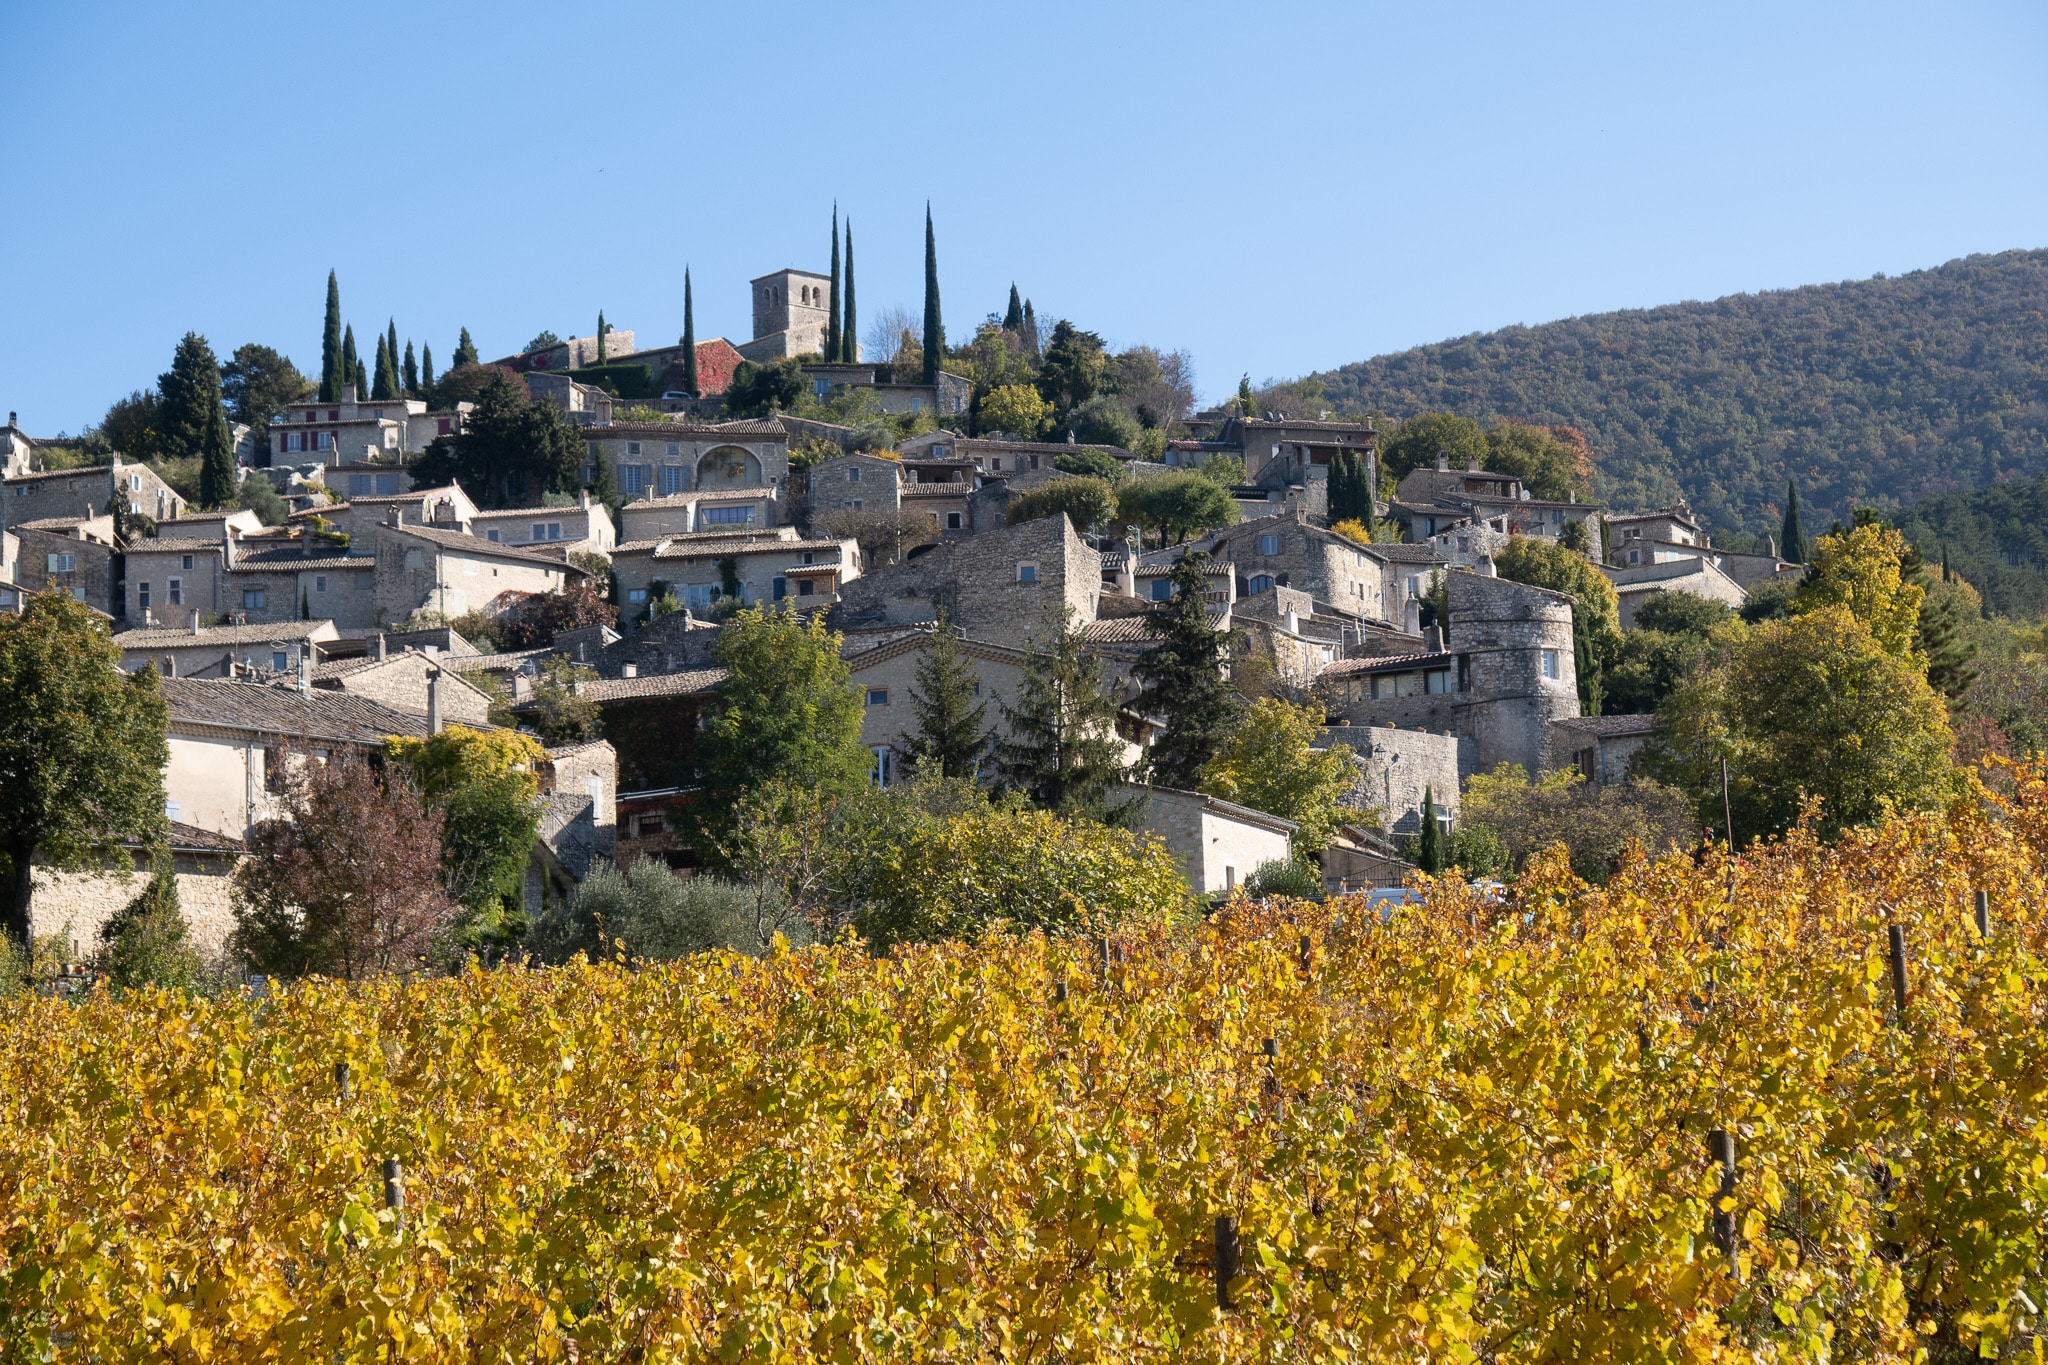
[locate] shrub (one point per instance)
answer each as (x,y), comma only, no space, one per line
(648,912)
(1286,877)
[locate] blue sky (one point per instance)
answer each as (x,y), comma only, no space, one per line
(1277,189)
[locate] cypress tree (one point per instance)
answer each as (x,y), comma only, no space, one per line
(689,340)
(412,372)
(330,345)
(1013,320)
(384,378)
(849,332)
(951,730)
(600,336)
(832,317)
(350,365)
(465,350)
(217,482)
(426,369)
(1429,847)
(188,396)
(1244,396)
(1031,330)
(934,328)
(1792,544)
(145,943)
(1184,680)
(362,379)
(391,345)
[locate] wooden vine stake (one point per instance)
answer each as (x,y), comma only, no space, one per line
(341,1081)
(1897,934)
(1721,1148)
(1227,1259)
(1983,900)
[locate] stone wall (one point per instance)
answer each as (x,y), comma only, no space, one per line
(93,578)
(979,582)
(1395,767)
(76,905)
(400,682)
(1215,850)
(1507,631)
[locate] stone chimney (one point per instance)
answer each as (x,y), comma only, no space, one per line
(228,545)
(1292,621)
(1433,639)
(305,671)
(1411,620)
(1484,568)
(195,620)
(583,499)
(380,650)
(1443,460)
(1471,464)
(434,701)
(12,418)
(629,671)
(170,665)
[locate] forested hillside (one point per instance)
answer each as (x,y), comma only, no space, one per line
(1880,391)
(1996,537)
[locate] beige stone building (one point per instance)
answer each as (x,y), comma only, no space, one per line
(791,308)
(27,494)
(765,569)
(75,906)
(411,681)
(732,511)
(665,458)
(585,528)
(76,555)
(1637,584)
(1431,501)
(1009,580)
(367,432)
(195,651)
(1218,844)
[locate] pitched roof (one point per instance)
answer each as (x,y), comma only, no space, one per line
(469,544)
(701,549)
(744,427)
(282,711)
(1393,663)
(192,839)
(1133,629)
(77,472)
(183,547)
(164,637)
(690,683)
(286,559)
(1608,727)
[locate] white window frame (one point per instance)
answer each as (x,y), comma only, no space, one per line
(1027,571)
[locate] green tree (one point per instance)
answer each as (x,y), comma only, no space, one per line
(1416,443)
(559,713)
(411,374)
(1350,490)
(1031,346)
(1551,462)
(1507,819)
(1017,409)
(832,348)
(362,379)
(1864,569)
(1104,421)
(1670,641)
(604,486)
(1950,615)
(82,746)
(759,390)
(465,351)
(426,370)
(1185,681)
(485,784)
(1814,706)
(1072,370)
(1099,464)
(259,384)
(689,343)
(188,394)
(351,364)
(1177,504)
(1247,406)
(1089,503)
(145,942)
(1429,842)
(510,451)
(934,328)
(1270,763)
(331,377)
(131,427)
(384,381)
(601,330)
(849,327)
(1024,870)
(788,712)
(1063,751)
(1792,543)
(1013,317)
(952,729)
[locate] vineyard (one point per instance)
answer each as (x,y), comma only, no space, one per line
(1680,1117)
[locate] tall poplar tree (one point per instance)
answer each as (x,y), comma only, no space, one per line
(465,350)
(426,370)
(1792,545)
(1030,330)
(952,730)
(934,328)
(832,317)
(849,329)
(1013,320)
(349,363)
(1184,680)
(411,375)
(689,340)
(331,378)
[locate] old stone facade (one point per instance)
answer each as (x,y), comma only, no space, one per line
(1397,768)
(1289,551)
(28,495)
(223,651)
(1218,844)
(414,682)
(764,569)
(74,555)
(665,458)
(791,308)
(75,906)
(1636,585)
(1010,580)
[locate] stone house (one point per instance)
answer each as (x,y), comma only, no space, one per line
(1281,452)
(1604,748)
(427,568)
(1431,501)
(1637,584)
(1010,580)
(1218,844)
(75,906)
(362,479)
(367,431)
(195,651)
(28,495)
(582,404)
(412,681)
(1289,551)
(767,569)
(724,510)
(74,554)
(1748,570)
(857,481)
(446,505)
(947,400)
(1397,768)
(229,742)
(716,360)
(579,791)
(574,354)
(585,528)
(665,458)
(992,457)
(886,675)
(651,723)
(1504,676)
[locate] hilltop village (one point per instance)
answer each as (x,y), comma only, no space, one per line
(571,528)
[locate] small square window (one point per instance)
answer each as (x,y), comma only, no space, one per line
(177,592)
(878,696)
(1550,663)
(632,447)
(1269,545)
(853,475)
(636,595)
(255,599)
(952,521)
(319,582)
(1027,573)
(1162,590)
(804,587)
(491,535)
